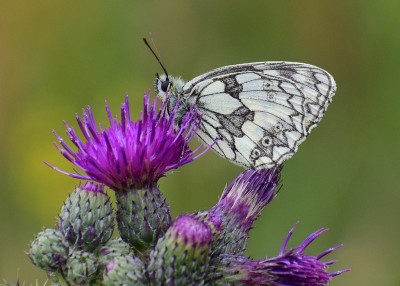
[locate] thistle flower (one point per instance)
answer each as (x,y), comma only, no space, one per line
(130,154)
(292,267)
(240,205)
(181,256)
(86,219)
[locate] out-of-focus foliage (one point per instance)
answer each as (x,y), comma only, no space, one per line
(57,57)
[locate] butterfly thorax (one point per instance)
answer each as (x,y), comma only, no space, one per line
(170,89)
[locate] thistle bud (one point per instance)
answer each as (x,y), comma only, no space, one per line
(125,270)
(86,218)
(181,256)
(49,250)
(240,205)
(142,216)
(81,268)
(114,248)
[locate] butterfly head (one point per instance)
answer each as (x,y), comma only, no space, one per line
(168,86)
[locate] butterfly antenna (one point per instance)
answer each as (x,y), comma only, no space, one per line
(153,42)
(157,57)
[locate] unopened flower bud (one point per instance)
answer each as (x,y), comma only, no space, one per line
(114,248)
(81,268)
(49,250)
(86,218)
(181,256)
(125,270)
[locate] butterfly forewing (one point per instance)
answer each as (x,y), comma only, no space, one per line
(260,111)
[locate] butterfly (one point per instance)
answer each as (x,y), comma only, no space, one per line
(255,114)
(261,112)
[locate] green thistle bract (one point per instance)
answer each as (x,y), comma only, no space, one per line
(125,270)
(114,248)
(81,268)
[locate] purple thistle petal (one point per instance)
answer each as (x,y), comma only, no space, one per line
(73,175)
(110,117)
(329,250)
(329,262)
(286,240)
(130,154)
(336,273)
(310,239)
(81,126)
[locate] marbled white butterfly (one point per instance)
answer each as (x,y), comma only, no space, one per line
(260,111)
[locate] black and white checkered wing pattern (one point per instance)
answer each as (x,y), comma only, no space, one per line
(261,111)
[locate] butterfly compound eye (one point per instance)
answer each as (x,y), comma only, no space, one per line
(165,85)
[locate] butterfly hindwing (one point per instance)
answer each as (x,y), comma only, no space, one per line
(260,111)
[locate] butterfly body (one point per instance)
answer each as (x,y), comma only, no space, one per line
(260,111)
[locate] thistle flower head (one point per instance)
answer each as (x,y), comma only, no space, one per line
(130,154)
(248,194)
(292,267)
(239,206)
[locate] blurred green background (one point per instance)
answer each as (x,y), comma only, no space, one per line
(57,57)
